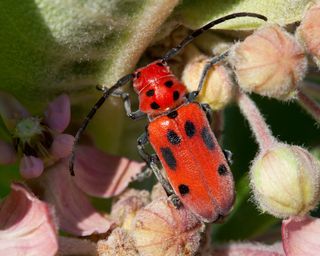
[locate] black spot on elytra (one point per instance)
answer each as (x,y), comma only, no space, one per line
(150,93)
(207,138)
(176,95)
(189,128)
(138,74)
(222,170)
(183,189)
(168,83)
(159,64)
(169,157)
(173,114)
(173,137)
(154,105)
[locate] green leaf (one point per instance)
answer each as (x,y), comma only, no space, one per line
(49,47)
(194,14)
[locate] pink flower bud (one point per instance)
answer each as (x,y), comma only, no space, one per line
(62,145)
(285,180)
(119,243)
(217,89)
(31,167)
(270,62)
(161,229)
(125,210)
(157,192)
(309,33)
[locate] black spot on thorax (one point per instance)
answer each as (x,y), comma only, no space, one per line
(154,105)
(150,93)
(176,95)
(168,83)
(169,157)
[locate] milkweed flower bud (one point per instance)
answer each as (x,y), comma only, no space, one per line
(270,62)
(285,180)
(309,33)
(217,89)
(125,209)
(161,229)
(119,243)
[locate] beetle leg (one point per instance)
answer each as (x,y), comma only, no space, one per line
(134,115)
(228,156)
(152,161)
(209,64)
(208,110)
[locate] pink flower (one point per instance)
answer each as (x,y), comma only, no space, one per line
(300,236)
(26,225)
(45,152)
(249,249)
(98,174)
(39,141)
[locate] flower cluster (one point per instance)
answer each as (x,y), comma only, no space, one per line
(44,153)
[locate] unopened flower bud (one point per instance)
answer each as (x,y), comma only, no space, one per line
(309,33)
(270,62)
(161,229)
(157,192)
(119,243)
(217,90)
(285,180)
(125,209)
(31,167)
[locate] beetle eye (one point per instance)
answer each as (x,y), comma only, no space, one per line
(138,74)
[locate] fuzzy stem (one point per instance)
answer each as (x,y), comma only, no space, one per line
(76,246)
(257,123)
(311,89)
(311,106)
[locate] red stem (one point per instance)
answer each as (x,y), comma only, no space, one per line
(257,123)
(311,106)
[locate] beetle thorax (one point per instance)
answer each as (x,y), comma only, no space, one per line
(158,89)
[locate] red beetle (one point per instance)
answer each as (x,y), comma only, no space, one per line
(197,170)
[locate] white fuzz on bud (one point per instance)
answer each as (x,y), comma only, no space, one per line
(285,180)
(217,89)
(161,229)
(309,33)
(269,62)
(126,208)
(119,243)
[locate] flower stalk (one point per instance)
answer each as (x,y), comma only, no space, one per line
(312,89)
(256,121)
(310,105)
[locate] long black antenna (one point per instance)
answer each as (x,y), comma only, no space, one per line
(199,31)
(121,82)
